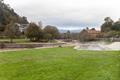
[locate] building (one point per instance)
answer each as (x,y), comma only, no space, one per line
(89,34)
(22,27)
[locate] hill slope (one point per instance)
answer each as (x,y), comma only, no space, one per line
(7,15)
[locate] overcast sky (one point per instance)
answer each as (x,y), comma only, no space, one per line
(67,14)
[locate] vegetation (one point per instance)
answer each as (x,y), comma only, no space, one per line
(59,64)
(7,15)
(68,35)
(111,28)
(8,28)
(33,32)
(12,31)
(106,27)
(116,26)
(51,32)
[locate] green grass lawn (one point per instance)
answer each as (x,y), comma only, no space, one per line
(60,64)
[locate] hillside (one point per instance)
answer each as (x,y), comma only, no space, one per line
(7,14)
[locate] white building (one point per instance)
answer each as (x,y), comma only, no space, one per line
(23,27)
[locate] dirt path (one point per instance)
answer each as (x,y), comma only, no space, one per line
(8,50)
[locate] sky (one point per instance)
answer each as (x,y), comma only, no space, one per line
(67,14)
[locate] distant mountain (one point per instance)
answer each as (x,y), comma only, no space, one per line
(72,31)
(7,15)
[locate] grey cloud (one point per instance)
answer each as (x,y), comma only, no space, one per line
(75,13)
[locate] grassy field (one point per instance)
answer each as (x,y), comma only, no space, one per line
(60,64)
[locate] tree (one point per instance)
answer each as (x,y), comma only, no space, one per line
(1,1)
(116,26)
(52,31)
(110,28)
(47,37)
(7,14)
(107,25)
(68,34)
(33,32)
(12,31)
(108,19)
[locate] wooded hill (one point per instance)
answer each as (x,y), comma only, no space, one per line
(7,14)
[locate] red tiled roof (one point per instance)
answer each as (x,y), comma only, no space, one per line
(93,31)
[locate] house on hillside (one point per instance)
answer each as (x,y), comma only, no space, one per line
(22,27)
(89,34)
